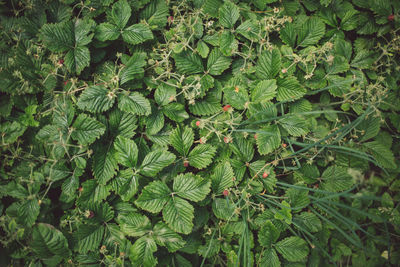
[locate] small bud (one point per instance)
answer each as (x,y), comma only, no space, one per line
(255,136)
(80,189)
(186,163)
(226,107)
(39,202)
(227,139)
(170,19)
(390,17)
(284,145)
(65,82)
(226,192)
(284,70)
(265,175)
(202,140)
(61,61)
(198,123)
(236,89)
(91,214)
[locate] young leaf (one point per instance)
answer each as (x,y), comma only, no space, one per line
(191,187)
(126,151)
(126,184)
(289,89)
(269,258)
(137,34)
(265,90)
(141,253)
(182,140)
(178,214)
(268,234)
(104,163)
(107,31)
(311,32)
(222,177)
(155,161)
(201,156)
(154,197)
(95,99)
(292,248)
(336,179)
(134,224)
(86,129)
(188,63)
(164,236)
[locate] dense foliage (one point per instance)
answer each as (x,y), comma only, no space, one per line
(199,133)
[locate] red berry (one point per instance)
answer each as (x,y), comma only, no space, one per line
(186,163)
(226,192)
(61,61)
(255,136)
(80,189)
(197,123)
(65,82)
(91,214)
(226,140)
(226,107)
(284,145)
(265,175)
(390,17)
(170,19)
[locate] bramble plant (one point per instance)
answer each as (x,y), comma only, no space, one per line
(199,133)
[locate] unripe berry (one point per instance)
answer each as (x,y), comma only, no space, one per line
(226,107)
(186,163)
(226,192)
(265,175)
(390,17)
(284,145)
(197,123)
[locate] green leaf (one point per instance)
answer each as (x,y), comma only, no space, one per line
(95,99)
(154,122)
(178,214)
(104,163)
(155,14)
(164,236)
(58,37)
(383,155)
(268,139)
(224,209)
(268,64)
(137,34)
(222,177)
(133,67)
(338,65)
(289,89)
(92,192)
(134,224)
(29,211)
(126,184)
(134,103)
(201,156)
(265,90)
(188,63)
(311,32)
(126,151)
(250,29)
(211,7)
(294,125)
(191,187)
(47,241)
(182,140)
(236,96)
(227,43)
(292,248)
(268,234)
(77,59)
(120,13)
(364,59)
(141,253)
(217,62)
(309,221)
(288,35)
(88,238)
(229,13)
(122,123)
(269,258)
(86,129)
(155,161)
(106,31)
(336,179)
(176,112)
(202,49)
(154,197)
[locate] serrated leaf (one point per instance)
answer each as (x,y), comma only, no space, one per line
(202,49)
(120,13)
(383,155)
(268,234)
(126,151)
(294,125)
(268,64)
(338,65)
(217,62)
(201,156)
(211,7)
(155,161)
(179,214)
(86,129)
(268,139)
(265,90)
(104,163)
(188,63)
(77,59)
(164,236)
(154,122)
(154,197)
(225,210)
(236,96)
(122,123)
(126,184)
(227,43)
(250,29)
(29,211)
(95,99)
(292,248)
(137,34)
(88,238)
(134,103)
(134,224)
(289,89)
(107,31)
(309,221)
(311,32)
(133,66)
(58,37)
(175,111)
(155,13)
(229,13)
(336,179)
(191,187)
(182,140)
(92,192)
(288,35)
(222,177)
(269,258)
(48,241)
(141,253)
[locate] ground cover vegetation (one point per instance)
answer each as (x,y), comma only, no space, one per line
(199,133)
